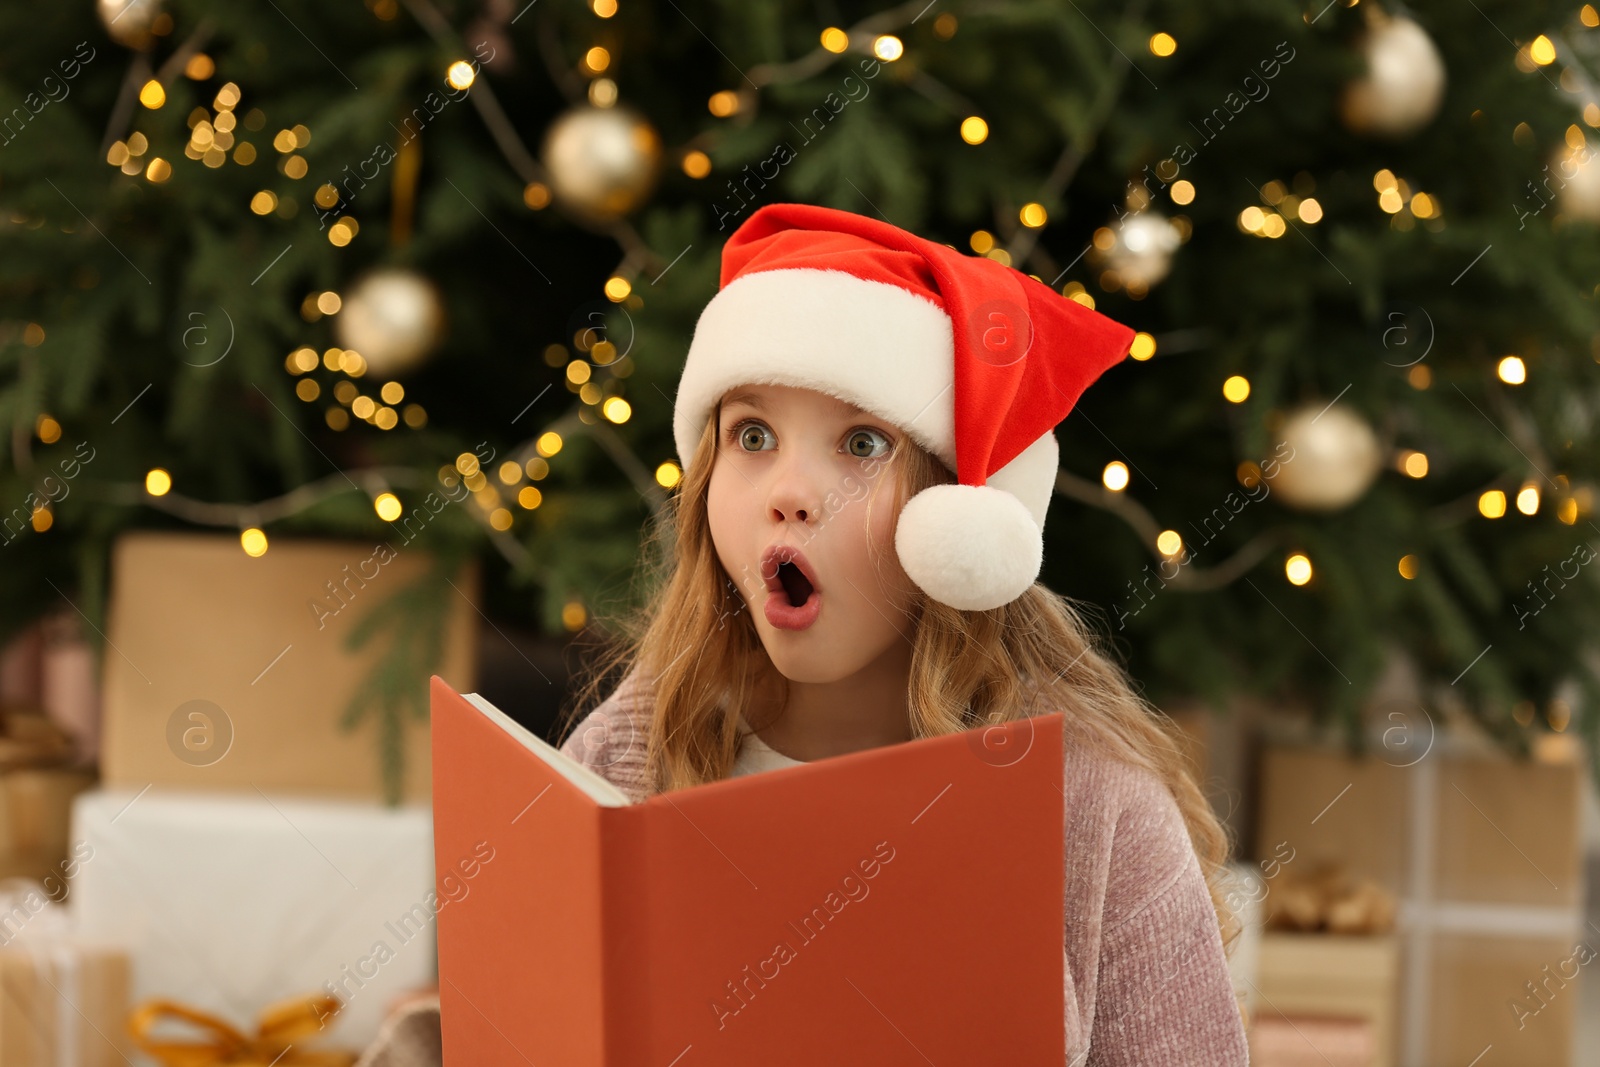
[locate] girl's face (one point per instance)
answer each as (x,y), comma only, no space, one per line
(795,469)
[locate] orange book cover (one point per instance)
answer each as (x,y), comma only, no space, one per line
(902,905)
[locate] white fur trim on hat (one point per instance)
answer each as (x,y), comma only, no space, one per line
(973,547)
(882,348)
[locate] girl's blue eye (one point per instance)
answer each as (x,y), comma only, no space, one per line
(860,444)
(747,432)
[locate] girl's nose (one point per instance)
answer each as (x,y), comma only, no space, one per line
(797,490)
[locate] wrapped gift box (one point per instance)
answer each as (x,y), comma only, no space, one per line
(263,643)
(35,813)
(63,998)
(228,902)
(63,1005)
(1326,995)
(1484,853)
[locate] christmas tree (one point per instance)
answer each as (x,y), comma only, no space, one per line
(425,273)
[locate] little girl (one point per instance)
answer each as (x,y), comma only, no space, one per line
(853,387)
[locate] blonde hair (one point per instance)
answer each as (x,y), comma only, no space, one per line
(693,639)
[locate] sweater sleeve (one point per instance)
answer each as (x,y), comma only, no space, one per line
(1164,992)
(612,741)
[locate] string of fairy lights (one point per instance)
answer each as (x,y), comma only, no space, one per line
(1130,256)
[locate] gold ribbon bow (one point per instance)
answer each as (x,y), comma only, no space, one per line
(278,1028)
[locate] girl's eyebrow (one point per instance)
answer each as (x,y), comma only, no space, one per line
(745,398)
(844,408)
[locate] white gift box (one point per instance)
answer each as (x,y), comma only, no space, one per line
(228,902)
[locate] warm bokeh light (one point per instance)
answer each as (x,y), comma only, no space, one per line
(254,542)
(1115,476)
(152,95)
(460,75)
(1512,370)
(835,40)
(1492,505)
(1182,192)
(1408,566)
(1033,215)
(1297,568)
(696,164)
(888,48)
(157,482)
(1528,499)
(616,409)
(1414,464)
(1169,542)
(1236,389)
(617,289)
(974,130)
(387,505)
(668,475)
(1163,44)
(1143,347)
(549,443)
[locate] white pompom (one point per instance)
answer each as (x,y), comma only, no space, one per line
(972,547)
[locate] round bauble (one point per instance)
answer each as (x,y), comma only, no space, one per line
(1331,458)
(393,317)
(603,161)
(1579,193)
(1404,81)
(130,22)
(1142,250)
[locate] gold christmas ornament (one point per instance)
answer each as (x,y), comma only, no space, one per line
(393,317)
(1331,459)
(1404,81)
(130,22)
(1141,249)
(1578,191)
(603,162)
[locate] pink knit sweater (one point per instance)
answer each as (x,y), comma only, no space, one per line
(1146,980)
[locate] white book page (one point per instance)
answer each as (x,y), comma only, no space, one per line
(599,790)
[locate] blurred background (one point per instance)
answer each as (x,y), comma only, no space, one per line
(337,349)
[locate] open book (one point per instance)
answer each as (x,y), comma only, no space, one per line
(896,906)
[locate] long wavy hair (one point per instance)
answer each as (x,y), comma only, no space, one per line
(693,637)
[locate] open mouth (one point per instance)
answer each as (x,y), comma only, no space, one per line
(795,584)
(794,596)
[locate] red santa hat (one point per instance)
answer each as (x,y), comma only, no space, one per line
(973,360)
